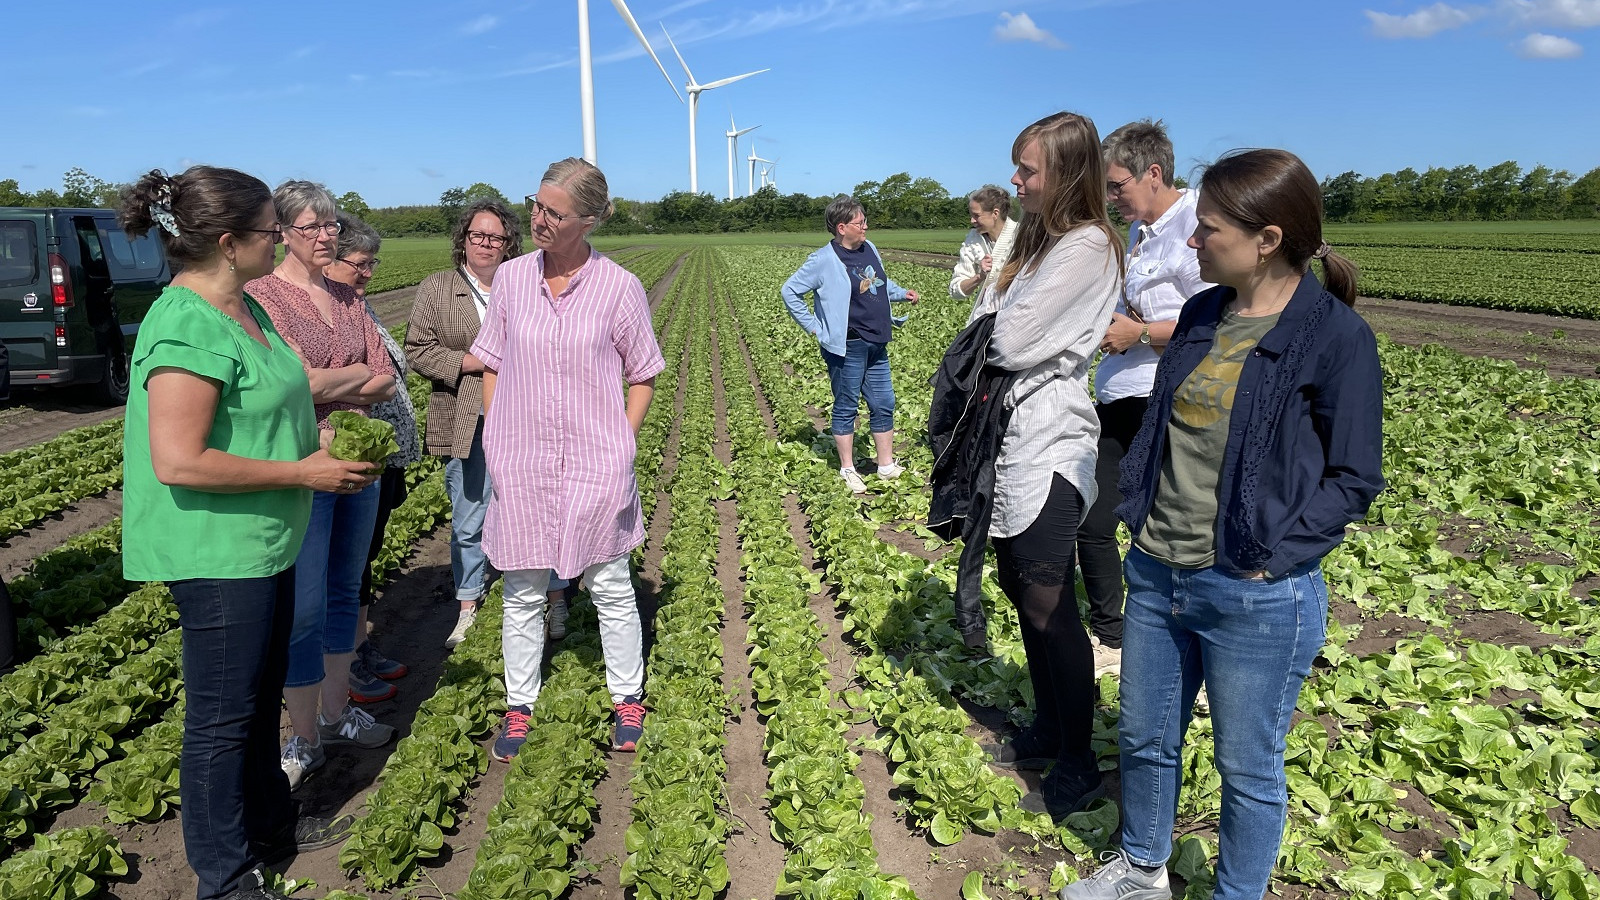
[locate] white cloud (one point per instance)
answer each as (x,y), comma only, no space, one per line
(1020,27)
(1548,46)
(481,25)
(1423,23)
(1555,13)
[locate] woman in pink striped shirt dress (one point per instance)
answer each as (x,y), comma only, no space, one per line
(565,329)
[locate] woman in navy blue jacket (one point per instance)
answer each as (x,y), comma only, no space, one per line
(1262,441)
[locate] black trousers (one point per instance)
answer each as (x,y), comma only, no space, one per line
(1034,569)
(392,492)
(1099,554)
(8,630)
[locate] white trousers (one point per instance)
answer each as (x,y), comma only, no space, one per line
(522,630)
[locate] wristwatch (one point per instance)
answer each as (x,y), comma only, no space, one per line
(1144,335)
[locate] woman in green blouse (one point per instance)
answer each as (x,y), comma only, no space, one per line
(221,457)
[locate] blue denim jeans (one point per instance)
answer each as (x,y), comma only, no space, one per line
(467,482)
(327,580)
(235,653)
(862,370)
(1252,643)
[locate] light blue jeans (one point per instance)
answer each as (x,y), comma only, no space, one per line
(1252,643)
(862,370)
(467,482)
(327,580)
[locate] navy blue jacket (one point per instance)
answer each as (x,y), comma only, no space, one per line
(1304,456)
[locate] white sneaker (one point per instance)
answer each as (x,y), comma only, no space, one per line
(1107,660)
(354,726)
(857,486)
(556,619)
(299,759)
(463,622)
(890,471)
(1120,879)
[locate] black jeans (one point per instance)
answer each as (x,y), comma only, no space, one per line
(1099,554)
(235,658)
(8,630)
(392,492)
(1034,569)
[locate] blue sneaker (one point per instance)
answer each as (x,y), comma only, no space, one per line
(513,732)
(629,726)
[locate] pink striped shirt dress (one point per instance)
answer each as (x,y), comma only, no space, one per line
(556,438)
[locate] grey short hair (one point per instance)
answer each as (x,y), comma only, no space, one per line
(356,237)
(292,198)
(587,185)
(841,209)
(1137,146)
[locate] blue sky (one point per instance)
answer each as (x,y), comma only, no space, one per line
(403,100)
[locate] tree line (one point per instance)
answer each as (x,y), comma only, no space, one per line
(1463,193)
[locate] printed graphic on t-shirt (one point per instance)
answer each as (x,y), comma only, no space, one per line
(867,280)
(1206,396)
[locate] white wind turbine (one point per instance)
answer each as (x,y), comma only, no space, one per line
(694,88)
(586,69)
(751,182)
(733,134)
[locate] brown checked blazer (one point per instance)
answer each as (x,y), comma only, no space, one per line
(444,323)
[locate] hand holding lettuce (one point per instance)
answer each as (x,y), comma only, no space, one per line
(357,438)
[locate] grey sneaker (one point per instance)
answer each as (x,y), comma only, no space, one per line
(1107,660)
(853,480)
(556,619)
(354,726)
(299,759)
(1120,879)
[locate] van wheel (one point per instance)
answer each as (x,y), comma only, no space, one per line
(113,387)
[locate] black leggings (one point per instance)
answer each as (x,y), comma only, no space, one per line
(1035,571)
(1099,554)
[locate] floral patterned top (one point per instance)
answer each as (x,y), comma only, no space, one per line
(353,337)
(399,411)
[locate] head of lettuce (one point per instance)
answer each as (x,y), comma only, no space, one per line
(360,439)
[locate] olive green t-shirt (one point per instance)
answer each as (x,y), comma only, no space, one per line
(1181,528)
(264,412)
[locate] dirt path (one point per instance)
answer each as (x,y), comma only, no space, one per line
(18,551)
(659,292)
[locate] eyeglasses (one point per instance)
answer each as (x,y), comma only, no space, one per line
(860,224)
(492,241)
(536,209)
(366,267)
(1115,187)
(277,233)
(331,229)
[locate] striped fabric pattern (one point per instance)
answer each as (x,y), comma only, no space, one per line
(556,438)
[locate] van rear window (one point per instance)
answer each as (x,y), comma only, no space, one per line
(19,254)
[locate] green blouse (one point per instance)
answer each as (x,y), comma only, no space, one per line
(264,412)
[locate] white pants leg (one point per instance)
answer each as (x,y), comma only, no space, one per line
(522,633)
(621,639)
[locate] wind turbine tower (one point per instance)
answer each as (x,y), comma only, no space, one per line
(733,134)
(694,88)
(586,69)
(753,160)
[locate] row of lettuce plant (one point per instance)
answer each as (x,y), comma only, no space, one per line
(69,864)
(814,796)
(676,842)
(46,478)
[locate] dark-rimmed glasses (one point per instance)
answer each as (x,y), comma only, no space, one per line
(492,241)
(331,229)
(535,208)
(1115,187)
(366,267)
(277,233)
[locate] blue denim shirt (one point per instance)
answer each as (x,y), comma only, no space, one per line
(824,273)
(1304,455)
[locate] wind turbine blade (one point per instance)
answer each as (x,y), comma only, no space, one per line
(746,131)
(720,83)
(677,54)
(627,17)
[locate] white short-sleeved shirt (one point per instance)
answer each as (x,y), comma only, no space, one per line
(1162,275)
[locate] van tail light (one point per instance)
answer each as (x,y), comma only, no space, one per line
(60,282)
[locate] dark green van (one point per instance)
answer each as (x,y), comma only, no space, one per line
(73,290)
